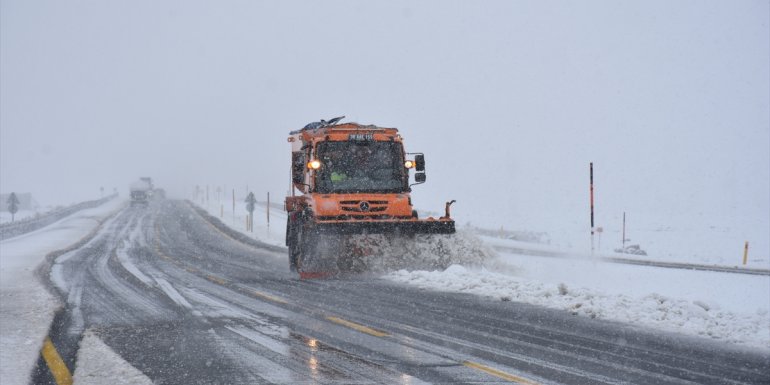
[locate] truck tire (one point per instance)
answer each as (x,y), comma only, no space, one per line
(301,242)
(293,239)
(306,249)
(293,257)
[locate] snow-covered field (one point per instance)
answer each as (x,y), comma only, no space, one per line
(701,244)
(6,217)
(729,307)
(26,307)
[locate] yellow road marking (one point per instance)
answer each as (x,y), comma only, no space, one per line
(266,296)
(360,328)
(499,373)
(217,280)
(52,358)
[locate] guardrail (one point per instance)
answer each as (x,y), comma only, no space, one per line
(631,261)
(234,234)
(13,229)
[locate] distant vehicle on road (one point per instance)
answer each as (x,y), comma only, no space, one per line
(140,192)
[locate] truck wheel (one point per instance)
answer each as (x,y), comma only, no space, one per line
(305,249)
(293,257)
(293,239)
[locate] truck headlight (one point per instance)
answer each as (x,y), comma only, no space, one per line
(314,164)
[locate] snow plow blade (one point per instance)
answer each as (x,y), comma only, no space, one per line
(440,226)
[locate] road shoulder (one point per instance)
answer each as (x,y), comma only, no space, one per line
(27,307)
(99,364)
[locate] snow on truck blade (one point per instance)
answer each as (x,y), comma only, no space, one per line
(422,251)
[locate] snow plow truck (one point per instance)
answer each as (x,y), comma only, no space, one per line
(351,195)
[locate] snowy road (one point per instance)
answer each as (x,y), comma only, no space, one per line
(184,303)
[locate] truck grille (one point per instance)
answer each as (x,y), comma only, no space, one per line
(363,206)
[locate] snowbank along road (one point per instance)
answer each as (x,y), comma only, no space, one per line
(26,307)
(183,302)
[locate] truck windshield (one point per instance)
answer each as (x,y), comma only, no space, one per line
(360,166)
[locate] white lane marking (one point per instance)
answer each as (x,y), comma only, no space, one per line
(174,295)
(125,260)
(260,339)
(214,308)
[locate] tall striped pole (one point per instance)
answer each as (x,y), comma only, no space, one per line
(591,167)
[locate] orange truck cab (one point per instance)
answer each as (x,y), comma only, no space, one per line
(353,179)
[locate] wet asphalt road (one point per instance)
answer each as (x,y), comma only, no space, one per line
(185,303)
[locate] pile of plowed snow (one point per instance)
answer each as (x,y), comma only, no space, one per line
(694,317)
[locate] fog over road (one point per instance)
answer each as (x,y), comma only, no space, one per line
(183,302)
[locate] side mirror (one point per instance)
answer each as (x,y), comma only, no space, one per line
(297,167)
(419,163)
(419,177)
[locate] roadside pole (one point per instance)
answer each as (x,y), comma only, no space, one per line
(745,253)
(591,168)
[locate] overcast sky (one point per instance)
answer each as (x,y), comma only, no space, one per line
(509,100)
